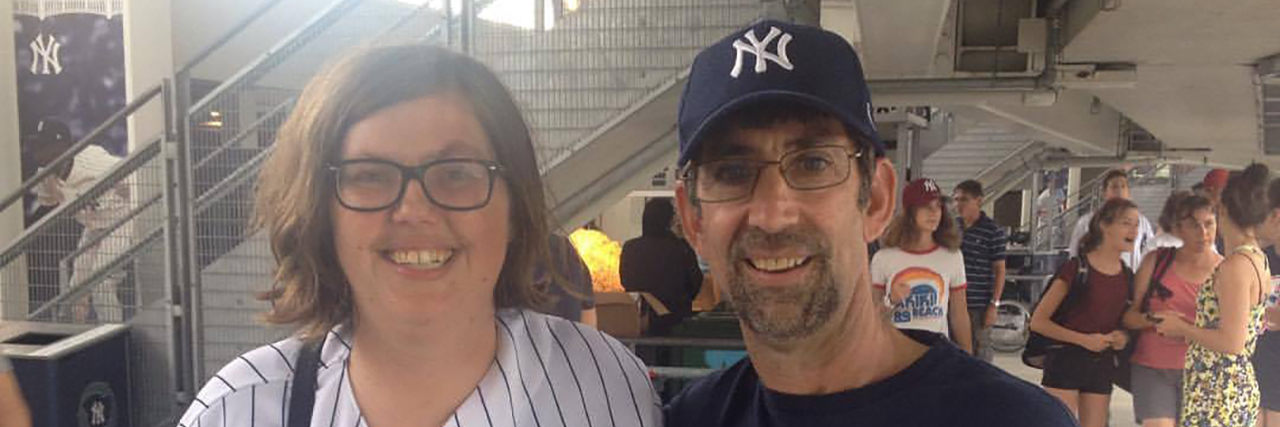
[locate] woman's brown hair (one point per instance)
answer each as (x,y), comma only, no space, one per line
(903,229)
(295,189)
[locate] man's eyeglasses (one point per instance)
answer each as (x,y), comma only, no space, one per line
(368,185)
(728,180)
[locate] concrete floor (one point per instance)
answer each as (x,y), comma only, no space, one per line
(1121,401)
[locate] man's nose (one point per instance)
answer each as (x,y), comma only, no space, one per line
(773,205)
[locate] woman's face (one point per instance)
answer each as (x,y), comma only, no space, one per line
(1197,230)
(1121,232)
(929,216)
(415,260)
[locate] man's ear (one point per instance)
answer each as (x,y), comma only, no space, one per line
(884,182)
(690,217)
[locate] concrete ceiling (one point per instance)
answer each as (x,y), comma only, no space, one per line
(1192,83)
(1195,78)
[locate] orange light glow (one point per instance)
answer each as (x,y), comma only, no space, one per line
(601,255)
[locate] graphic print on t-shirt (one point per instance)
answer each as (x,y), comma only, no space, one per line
(926,301)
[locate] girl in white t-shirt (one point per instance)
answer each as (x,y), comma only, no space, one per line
(921,266)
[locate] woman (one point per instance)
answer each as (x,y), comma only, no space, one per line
(921,266)
(405,211)
(1169,280)
(1266,357)
(1219,388)
(1087,319)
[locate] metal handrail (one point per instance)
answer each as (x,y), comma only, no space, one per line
(75,290)
(1012,154)
(248,130)
(330,13)
(110,179)
(231,33)
(66,157)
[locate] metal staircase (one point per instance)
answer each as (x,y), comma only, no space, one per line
(598,87)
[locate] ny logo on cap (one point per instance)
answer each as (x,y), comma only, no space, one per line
(930,186)
(760,48)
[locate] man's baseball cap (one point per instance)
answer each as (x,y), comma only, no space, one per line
(1216,178)
(775,61)
(920,192)
(48,131)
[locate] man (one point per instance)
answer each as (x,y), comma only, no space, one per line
(983,245)
(783,183)
(1115,184)
(1212,185)
(50,139)
(661,264)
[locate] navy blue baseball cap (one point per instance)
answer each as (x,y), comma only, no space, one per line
(775,61)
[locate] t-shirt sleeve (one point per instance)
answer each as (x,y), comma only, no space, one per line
(958,279)
(878,269)
(1073,245)
(998,244)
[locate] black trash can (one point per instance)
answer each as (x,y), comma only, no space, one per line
(71,375)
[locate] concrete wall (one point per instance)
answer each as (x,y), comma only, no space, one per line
(13,299)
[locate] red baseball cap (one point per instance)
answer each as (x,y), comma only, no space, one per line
(1216,178)
(920,192)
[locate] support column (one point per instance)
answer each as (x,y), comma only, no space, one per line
(148,58)
(13,287)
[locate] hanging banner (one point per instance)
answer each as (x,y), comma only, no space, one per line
(71,69)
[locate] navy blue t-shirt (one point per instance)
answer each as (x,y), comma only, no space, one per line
(946,387)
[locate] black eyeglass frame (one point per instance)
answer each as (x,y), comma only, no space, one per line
(416,173)
(690,172)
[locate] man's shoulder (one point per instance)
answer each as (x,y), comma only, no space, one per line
(703,399)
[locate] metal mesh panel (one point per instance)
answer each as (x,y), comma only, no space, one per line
(78,260)
(99,258)
(598,61)
(232,129)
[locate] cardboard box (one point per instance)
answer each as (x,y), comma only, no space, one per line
(627,314)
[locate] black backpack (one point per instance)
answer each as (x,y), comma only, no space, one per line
(1038,346)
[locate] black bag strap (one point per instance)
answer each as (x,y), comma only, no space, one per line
(1164,260)
(303,397)
(1076,291)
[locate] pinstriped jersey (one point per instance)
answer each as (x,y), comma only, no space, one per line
(548,372)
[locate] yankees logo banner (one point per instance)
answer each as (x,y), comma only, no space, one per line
(70,66)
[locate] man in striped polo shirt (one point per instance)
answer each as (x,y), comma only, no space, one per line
(983,247)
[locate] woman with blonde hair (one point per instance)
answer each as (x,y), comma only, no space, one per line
(919,271)
(405,211)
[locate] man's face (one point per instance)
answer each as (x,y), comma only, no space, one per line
(1116,188)
(967,205)
(788,259)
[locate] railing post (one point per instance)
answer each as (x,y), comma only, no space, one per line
(468,26)
(183,280)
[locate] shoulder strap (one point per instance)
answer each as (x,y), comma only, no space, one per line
(1164,260)
(1257,273)
(303,397)
(1077,289)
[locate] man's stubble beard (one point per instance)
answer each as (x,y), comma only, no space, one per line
(791,313)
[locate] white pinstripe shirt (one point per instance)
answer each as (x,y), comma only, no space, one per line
(548,372)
